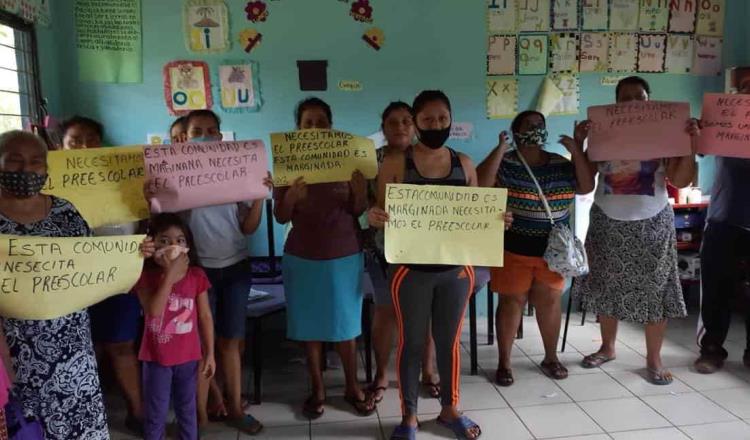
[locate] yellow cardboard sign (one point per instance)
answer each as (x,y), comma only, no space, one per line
(321,156)
(45,278)
(431,224)
(104,184)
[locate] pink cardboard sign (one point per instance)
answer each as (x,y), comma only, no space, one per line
(192,175)
(725,125)
(638,130)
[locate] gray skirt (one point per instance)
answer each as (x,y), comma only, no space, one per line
(633,267)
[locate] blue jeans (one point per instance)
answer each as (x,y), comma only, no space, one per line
(160,384)
(230,287)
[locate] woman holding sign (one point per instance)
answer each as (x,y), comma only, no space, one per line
(631,245)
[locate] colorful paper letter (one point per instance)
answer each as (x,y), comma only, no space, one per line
(725,124)
(501,55)
(707,61)
(502,16)
(654,15)
(623,15)
(206,26)
(623,52)
(594,55)
(710,18)
(682,15)
(187,87)
(651,52)
(568,85)
(565,15)
(532,54)
(239,87)
(533,15)
(502,97)
(594,15)
(679,53)
(563,52)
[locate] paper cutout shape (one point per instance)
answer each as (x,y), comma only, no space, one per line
(594,54)
(256,11)
(361,11)
(682,15)
(710,18)
(502,16)
(502,97)
(533,15)
(725,129)
(569,86)
(623,15)
(193,175)
(680,49)
(100,177)
(157,138)
(45,278)
(206,24)
(239,87)
(563,52)
(549,96)
(313,75)
(250,39)
(623,52)
(651,52)
(501,55)
(532,54)
(707,60)
(432,224)
(654,15)
(187,87)
(564,15)
(462,131)
(594,15)
(638,130)
(374,37)
(350,86)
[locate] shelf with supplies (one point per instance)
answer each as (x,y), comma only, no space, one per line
(689,220)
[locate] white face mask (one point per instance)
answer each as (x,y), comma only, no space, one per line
(171,252)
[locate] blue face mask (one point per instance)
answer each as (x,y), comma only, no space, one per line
(204,139)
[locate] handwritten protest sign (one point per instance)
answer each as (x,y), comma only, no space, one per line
(432,224)
(321,156)
(45,278)
(638,130)
(726,125)
(104,184)
(192,175)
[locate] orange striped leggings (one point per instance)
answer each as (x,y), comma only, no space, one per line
(419,296)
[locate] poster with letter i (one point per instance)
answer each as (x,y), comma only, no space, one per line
(565,15)
(501,16)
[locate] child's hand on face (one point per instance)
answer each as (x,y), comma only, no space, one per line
(148,248)
(174,270)
(208,366)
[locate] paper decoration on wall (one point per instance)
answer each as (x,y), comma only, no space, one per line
(206,26)
(563,52)
(710,18)
(501,55)
(256,11)
(611,81)
(532,54)
(187,87)
(362,11)
(569,86)
(239,87)
(351,85)
(502,16)
(651,52)
(313,75)
(157,138)
(682,15)
(533,15)
(565,15)
(623,52)
(107,53)
(654,15)
(707,60)
(502,97)
(594,15)
(594,54)
(374,37)
(679,58)
(250,39)
(549,96)
(462,131)
(623,15)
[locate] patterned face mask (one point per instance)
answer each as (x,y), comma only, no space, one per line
(21,183)
(535,136)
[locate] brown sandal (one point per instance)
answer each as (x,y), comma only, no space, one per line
(504,377)
(365,406)
(554,370)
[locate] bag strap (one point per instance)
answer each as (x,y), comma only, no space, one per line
(538,187)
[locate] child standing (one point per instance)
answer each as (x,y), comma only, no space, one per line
(172,291)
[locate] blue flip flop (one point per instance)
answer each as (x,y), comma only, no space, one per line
(459,427)
(404,433)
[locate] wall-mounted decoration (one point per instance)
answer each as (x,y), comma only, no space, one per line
(532,54)
(679,58)
(654,15)
(313,75)
(707,60)
(250,39)
(374,37)
(623,15)
(256,11)
(623,52)
(565,15)
(569,87)
(533,15)
(563,52)
(187,87)
(206,25)
(501,55)
(502,97)
(239,87)
(651,52)
(594,55)
(462,131)
(350,85)
(710,18)
(361,11)
(502,16)
(549,97)
(594,15)
(682,15)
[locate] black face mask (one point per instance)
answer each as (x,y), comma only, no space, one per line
(22,184)
(434,138)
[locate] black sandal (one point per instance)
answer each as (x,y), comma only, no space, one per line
(504,377)
(372,389)
(364,407)
(313,408)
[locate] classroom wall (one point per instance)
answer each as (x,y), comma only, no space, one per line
(428,44)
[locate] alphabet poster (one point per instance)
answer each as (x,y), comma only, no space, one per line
(563,52)
(569,86)
(238,84)
(654,16)
(501,55)
(710,18)
(502,97)
(707,60)
(533,15)
(594,54)
(623,52)
(651,52)
(187,87)
(565,15)
(532,54)
(682,15)
(679,57)
(502,16)
(206,24)
(623,15)
(594,15)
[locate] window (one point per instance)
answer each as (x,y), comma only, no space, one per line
(20,97)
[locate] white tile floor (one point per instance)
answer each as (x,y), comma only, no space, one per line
(613,402)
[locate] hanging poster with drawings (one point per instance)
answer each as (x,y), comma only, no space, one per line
(707,60)
(533,15)
(563,52)
(594,15)
(238,85)
(568,85)
(594,54)
(710,20)
(679,57)
(623,52)
(564,15)
(532,54)
(651,52)
(654,15)
(206,26)
(501,16)
(187,87)
(623,15)
(682,15)
(501,55)
(502,97)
